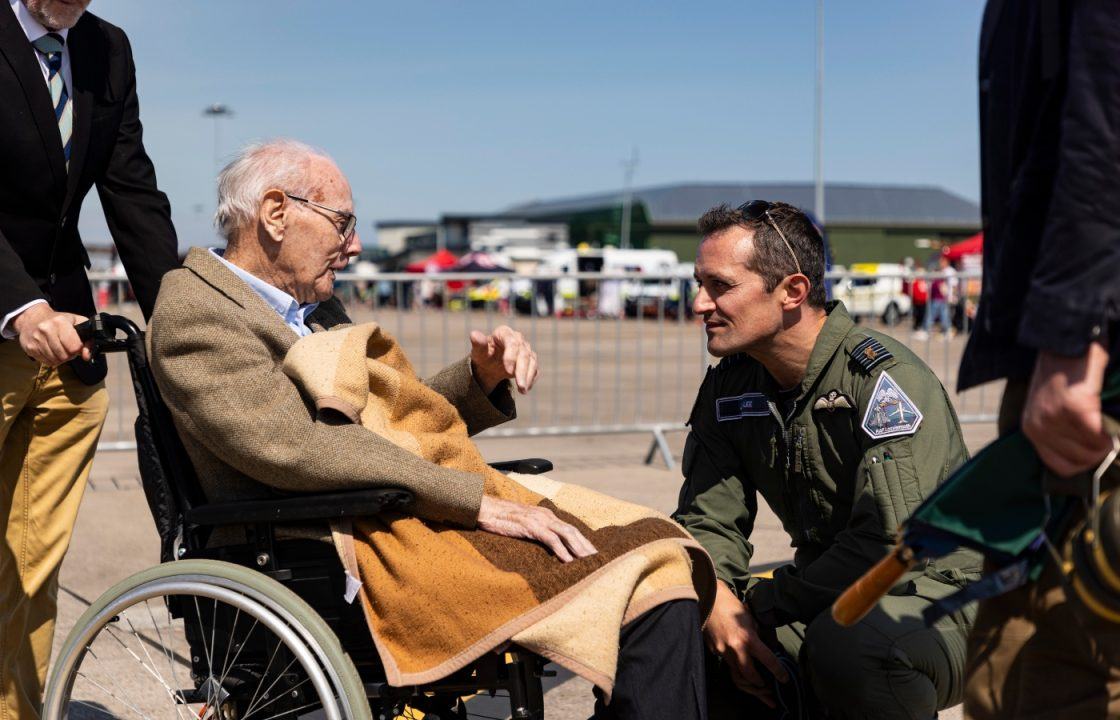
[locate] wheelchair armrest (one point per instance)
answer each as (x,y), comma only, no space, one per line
(528,466)
(354,503)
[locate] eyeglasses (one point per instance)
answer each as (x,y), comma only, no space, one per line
(349,220)
(758,209)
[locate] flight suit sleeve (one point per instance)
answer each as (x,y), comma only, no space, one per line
(895,474)
(717,505)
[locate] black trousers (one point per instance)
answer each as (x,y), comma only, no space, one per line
(660,672)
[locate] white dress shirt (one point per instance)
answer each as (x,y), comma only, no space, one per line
(294,314)
(34,30)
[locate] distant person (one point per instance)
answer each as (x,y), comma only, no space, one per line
(943,293)
(70,120)
(842,431)
(1049,323)
(919,302)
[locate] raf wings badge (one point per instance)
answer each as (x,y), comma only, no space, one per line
(890,412)
(833,401)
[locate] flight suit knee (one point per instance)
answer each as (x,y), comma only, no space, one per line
(863,672)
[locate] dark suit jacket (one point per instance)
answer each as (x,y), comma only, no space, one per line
(41,253)
(1050,183)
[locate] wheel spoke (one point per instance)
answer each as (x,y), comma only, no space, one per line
(260,682)
(295,710)
(166,650)
(273,700)
(111,694)
(268,690)
(206,652)
(225,661)
(175,693)
(150,670)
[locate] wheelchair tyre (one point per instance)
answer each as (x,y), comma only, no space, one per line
(132,627)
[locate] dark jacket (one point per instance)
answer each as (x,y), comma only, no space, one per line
(1050,183)
(41,253)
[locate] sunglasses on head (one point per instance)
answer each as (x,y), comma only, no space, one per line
(760,209)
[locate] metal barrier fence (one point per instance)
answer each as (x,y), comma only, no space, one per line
(619,353)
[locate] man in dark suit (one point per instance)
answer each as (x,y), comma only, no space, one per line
(70,120)
(1048,322)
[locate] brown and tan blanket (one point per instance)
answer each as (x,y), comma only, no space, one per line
(438,597)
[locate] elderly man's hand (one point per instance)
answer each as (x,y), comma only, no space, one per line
(48,336)
(732,634)
(504,354)
(1062,416)
(528,522)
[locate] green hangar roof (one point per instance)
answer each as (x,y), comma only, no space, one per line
(845,204)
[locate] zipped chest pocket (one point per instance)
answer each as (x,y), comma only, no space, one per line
(813,508)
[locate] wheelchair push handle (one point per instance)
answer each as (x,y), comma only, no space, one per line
(102,330)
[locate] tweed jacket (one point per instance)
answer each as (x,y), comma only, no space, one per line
(217,351)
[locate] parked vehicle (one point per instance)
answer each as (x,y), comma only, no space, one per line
(874,296)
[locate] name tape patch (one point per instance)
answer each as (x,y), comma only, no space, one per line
(741,406)
(890,412)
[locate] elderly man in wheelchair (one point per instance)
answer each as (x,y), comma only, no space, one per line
(389,567)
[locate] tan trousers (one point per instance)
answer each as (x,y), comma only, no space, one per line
(48,434)
(1037,653)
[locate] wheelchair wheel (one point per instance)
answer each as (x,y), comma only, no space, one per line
(202,640)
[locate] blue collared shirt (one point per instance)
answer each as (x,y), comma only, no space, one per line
(294,314)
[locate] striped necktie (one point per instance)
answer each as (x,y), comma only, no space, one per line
(51,46)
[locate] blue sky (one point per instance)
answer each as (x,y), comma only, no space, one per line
(434,107)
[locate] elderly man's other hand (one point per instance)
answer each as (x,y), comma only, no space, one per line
(732,634)
(502,355)
(511,519)
(1062,416)
(48,336)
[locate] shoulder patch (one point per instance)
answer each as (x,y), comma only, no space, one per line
(870,353)
(747,405)
(890,412)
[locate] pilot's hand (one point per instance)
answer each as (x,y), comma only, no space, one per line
(1062,415)
(48,336)
(731,633)
(511,519)
(502,355)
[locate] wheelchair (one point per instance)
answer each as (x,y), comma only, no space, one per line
(252,631)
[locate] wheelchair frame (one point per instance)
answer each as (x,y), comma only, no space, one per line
(300,582)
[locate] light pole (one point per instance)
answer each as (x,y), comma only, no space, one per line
(217,111)
(818,151)
(628,167)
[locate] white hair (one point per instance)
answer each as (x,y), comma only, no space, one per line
(258,168)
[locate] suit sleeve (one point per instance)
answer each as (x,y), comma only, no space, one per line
(137,212)
(266,430)
(18,287)
(479,411)
(893,477)
(1074,292)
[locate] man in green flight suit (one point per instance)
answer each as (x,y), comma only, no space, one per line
(843,432)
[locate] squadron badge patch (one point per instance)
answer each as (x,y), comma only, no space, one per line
(833,401)
(741,406)
(890,411)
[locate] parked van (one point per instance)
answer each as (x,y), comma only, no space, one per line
(867,294)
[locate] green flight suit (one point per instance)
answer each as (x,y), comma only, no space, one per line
(841,476)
